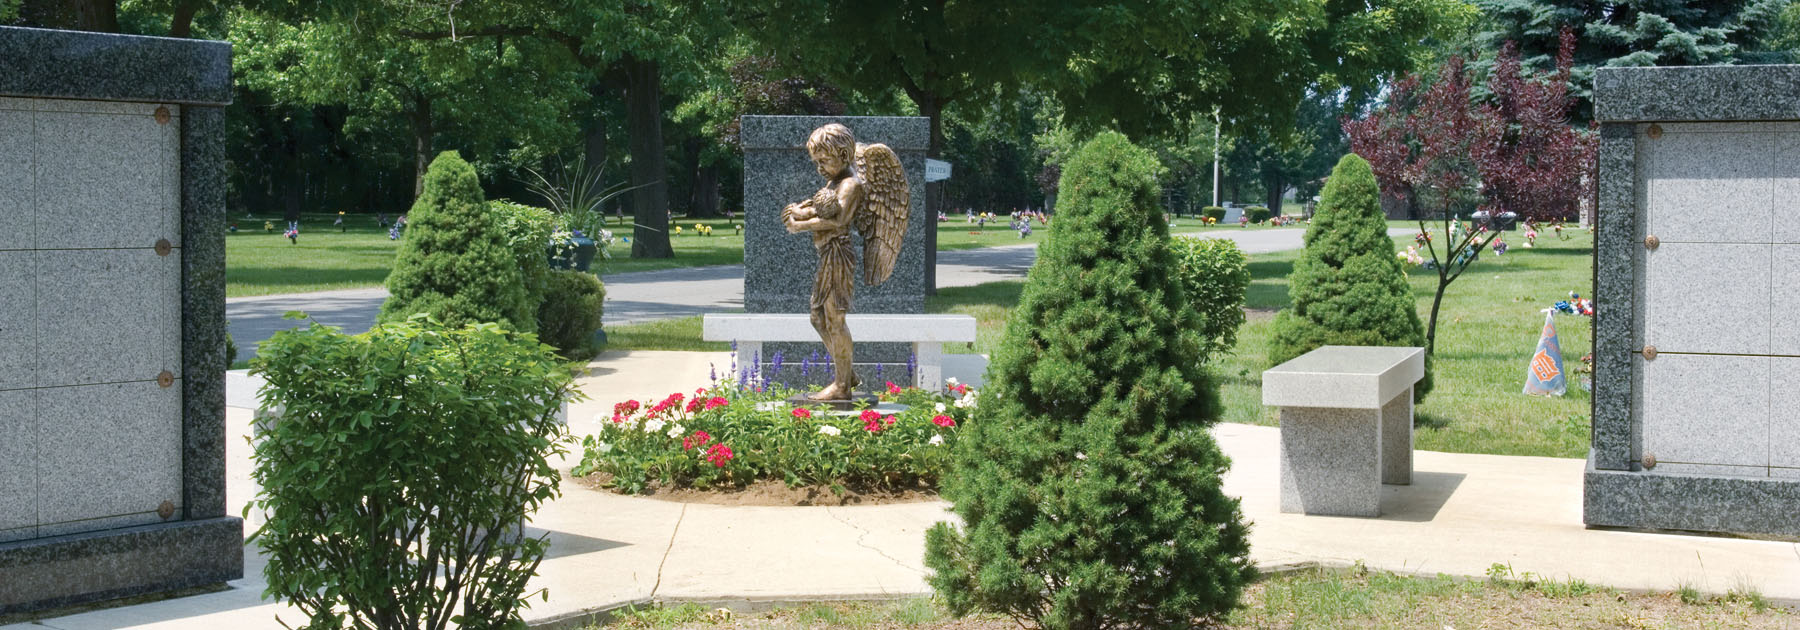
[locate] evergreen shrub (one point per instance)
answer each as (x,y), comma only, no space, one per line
(570,312)
(1347,288)
(455,261)
(1257,214)
(400,470)
(1215,274)
(1213,212)
(1089,490)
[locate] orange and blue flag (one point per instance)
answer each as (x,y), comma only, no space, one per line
(1545,376)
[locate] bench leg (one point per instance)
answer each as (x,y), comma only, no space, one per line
(1331,461)
(1397,439)
(930,357)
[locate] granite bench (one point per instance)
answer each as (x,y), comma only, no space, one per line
(1346,426)
(926,333)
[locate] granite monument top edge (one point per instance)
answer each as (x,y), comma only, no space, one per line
(1697,93)
(43,63)
(900,133)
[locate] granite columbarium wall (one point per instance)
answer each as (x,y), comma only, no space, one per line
(779,267)
(1697,278)
(112,300)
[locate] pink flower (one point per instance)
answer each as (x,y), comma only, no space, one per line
(892,388)
(801,412)
(716,402)
(694,404)
(870,415)
(943,421)
(697,438)
(872,426)
(718,455)
(890,421)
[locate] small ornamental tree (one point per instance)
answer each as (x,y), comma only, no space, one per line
(1442,154)
(1089,490)
(1215,275)
(455,261)
(1347,288)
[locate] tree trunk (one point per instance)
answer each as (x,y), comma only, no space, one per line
(101,16)
(932,106)
(1276,187)
(690,166)
(421,128)
(593,128)
(182,25)
(706,191)
(650,204)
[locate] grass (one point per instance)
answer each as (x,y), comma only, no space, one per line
(1486,333)
(1312,598)
(359,255)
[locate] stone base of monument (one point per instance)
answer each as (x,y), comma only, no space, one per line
(926,333)
(860,400)
(1346,426)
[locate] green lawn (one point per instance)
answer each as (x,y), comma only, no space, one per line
(1486,335)
(359,256)
(1314,598)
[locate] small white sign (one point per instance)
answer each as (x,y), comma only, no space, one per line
(936,170)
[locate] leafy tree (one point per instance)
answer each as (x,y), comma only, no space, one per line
(455,262)
(1347,287)
(1626,33)
(1072,515)
(1215,274)
(1439,152)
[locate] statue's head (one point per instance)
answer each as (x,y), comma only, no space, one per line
(832,149)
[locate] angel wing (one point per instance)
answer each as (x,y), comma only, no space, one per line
(882,216)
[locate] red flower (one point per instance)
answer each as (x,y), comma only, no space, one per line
(697,438)
(716,402)
(892,388)
(870,415)
(801,412)
(944,421)
(694,405)
(872,426)
(890,421)
(718,455)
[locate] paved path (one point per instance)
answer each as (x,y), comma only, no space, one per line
(671,293)
(1462,514)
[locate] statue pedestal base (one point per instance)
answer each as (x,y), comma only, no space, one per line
(855,401)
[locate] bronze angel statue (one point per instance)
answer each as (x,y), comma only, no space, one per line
(865,188)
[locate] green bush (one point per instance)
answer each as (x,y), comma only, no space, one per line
(400,468)
(1257,214)
(455,262)
(1347,288)
(528,230)
(231,350)
(728,436)
(1089,489)
(1213,212)
(1215,274)
(570,312)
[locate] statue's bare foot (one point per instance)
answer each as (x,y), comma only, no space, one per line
(833,391)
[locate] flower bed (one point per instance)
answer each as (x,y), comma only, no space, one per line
(727,436)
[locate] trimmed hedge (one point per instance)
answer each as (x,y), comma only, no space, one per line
(1213,212)
(570,312)
(1257,214)
(1215,274)
(1347,288)
(1072,513)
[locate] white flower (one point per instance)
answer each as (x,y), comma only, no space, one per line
(940,407)
(937,440)
(950,381)
(830,430)
(1080,455)
(967,401)
(652,426)
(603,447)
(771,405)
(676,431)
(602,419)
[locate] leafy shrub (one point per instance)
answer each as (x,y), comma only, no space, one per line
(1257,214)
(528,233)
(1089,490)
(400,469)
(570,312)
(231,349)
(1215,275)
(1347,287)
(455,262)
(1213,212)
(728,436)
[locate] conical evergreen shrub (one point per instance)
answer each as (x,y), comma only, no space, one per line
(1089,489)
(1347,288)
(455,261)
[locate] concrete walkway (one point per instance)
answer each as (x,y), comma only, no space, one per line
(1462,514)
(671,293)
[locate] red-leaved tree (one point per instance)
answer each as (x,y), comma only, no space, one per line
(1442,153)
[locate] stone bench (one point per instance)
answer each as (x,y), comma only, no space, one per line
(926,333)
(1346,426)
